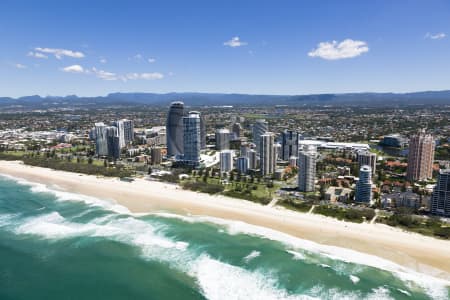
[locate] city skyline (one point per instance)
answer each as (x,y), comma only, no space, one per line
(255,48)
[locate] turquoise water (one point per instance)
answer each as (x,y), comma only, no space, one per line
(57,245)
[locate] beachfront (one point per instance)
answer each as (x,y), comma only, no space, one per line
(421,253)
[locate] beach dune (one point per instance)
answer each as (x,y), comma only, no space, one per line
(420,253)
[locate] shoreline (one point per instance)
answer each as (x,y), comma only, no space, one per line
(422,254)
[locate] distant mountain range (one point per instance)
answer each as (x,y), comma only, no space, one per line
(217,99)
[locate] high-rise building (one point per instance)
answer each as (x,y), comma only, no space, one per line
(363,191)
(222,139)
(226,161)
(267,153)
(259,128)
(420,157)
(101,140)
(367,158)
(440,200)
(113,140)
(244,149)
(155,156)
(125,129)
(174,129)
(107,141)
(236,130)
(252,159)
(307,169)
(202,132)
(289,144)
(242,164)
(277,148)
(191,138)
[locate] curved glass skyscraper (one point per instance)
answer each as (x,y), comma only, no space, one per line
(174,129)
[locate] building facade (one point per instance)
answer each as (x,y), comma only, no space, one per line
(267,154)
(242,164)
(307,169)
(252,159)
(440,200)
(259,128)
(289,144)
(226,161)
(174,129)
(156,156)
(191,138)
(125,129)
(363,191)
(420,157)
(101,139)
(222,139)
(367,158)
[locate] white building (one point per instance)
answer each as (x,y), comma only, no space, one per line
(267,154)
(307,169)
(226,161)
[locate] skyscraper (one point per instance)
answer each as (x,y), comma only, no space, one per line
(363,191)
(191,138)
(289,144)
(367,158)
(202,132)
(101,141)
(440,200)
(222,139)
(420,157)
(125,130)
(242,164)
(267,153)
(307,169)
(226,161)
(174,129)
(259,128)
(113,141)
(252,159)
(236,129)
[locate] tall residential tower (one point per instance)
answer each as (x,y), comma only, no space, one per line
(420,157)
(174,129)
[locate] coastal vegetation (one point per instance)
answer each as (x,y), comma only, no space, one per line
(403,218)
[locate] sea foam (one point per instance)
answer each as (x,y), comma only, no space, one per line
(435,287)
(61,195)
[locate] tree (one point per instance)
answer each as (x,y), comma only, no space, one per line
(149,171)
(105,163)
(90,160)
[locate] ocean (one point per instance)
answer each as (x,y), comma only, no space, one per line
(60,245)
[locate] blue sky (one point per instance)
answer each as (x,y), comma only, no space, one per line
(261,47)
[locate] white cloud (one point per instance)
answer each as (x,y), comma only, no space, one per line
(138,56)
(145,76)
(20,66)
(151,60)
(37,54)
(73,69)
(104,74)
(333,50)
(103,60)
(437,36)
(234,42)
(60,53)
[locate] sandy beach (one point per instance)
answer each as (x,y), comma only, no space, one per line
(420,253)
